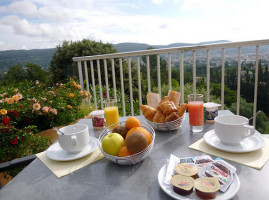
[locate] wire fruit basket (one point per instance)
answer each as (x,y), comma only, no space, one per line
(167,126)
(132,159)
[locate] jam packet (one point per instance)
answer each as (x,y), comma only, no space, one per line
(221,170)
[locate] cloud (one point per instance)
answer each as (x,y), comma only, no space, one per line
(43,23)
(157,1)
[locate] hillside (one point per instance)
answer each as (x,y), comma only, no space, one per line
(42,57)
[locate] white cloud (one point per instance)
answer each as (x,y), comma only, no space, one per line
(46,23)
(157,1)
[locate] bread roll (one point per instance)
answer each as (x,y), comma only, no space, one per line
(153,99)
(174,96)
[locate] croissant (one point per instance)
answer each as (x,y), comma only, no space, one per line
(159,117)
(174,96)
(168,107)
(173,116)
(181,109)
(148,111)
(164,99)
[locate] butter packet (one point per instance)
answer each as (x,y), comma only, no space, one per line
(221,170)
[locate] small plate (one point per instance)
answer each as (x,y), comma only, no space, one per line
(55,152)
(249,144)
(168,189)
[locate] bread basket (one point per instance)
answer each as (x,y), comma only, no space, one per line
(132,159)
(167,126)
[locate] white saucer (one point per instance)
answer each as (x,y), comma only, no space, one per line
(168,188)
(55,152)
(249,144)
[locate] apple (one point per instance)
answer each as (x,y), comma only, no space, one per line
(112,143)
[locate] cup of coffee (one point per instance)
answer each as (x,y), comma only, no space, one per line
(232,129)
(74,138)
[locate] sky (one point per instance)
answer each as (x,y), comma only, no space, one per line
(39,24)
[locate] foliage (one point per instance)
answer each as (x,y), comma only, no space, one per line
(62,65)
(45,107)
(30,72)
(16,143)
(30,107)
(246,109)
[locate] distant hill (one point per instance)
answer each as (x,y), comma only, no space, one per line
(42,57)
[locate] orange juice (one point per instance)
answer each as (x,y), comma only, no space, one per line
(196,113)
(111,115)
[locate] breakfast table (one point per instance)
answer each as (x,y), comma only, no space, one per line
(106,180)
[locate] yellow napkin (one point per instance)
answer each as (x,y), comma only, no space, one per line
(62,168)
(255,159)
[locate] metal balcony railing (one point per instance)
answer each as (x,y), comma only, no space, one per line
(167,51)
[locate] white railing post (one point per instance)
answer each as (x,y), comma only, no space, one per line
(106,77)
(181,77)
(169,72)
(80,75)
(139,81)
(100,83)
(256,86)
(208,75)
(130,85)
(194,71)
(113,78)
(148,74)
(222,78)
(86,75)
(159,75)
(122,88)
(93,84)
(238,81)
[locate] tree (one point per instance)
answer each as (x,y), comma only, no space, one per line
(30,72)
(62,65)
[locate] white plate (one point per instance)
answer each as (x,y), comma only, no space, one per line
(168,189)
(55,152)
(249,144)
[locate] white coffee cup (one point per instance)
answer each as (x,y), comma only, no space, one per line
(75,138)
(232,129)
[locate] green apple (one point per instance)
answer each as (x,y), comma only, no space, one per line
(112,143)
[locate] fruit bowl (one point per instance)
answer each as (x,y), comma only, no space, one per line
(167,126)
(132,159)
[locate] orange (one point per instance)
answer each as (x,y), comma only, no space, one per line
(124,151)
(141,130)
(132,122)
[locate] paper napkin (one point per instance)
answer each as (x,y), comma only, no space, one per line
(255,159)
(62,168)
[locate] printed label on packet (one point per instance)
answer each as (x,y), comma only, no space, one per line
(202,161)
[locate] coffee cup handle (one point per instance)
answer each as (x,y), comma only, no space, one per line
(74,140)
(251,128)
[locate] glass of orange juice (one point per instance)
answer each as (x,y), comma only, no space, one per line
(196,112)
(111,112)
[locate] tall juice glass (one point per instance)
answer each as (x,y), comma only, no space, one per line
(111,112)
(196,112)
